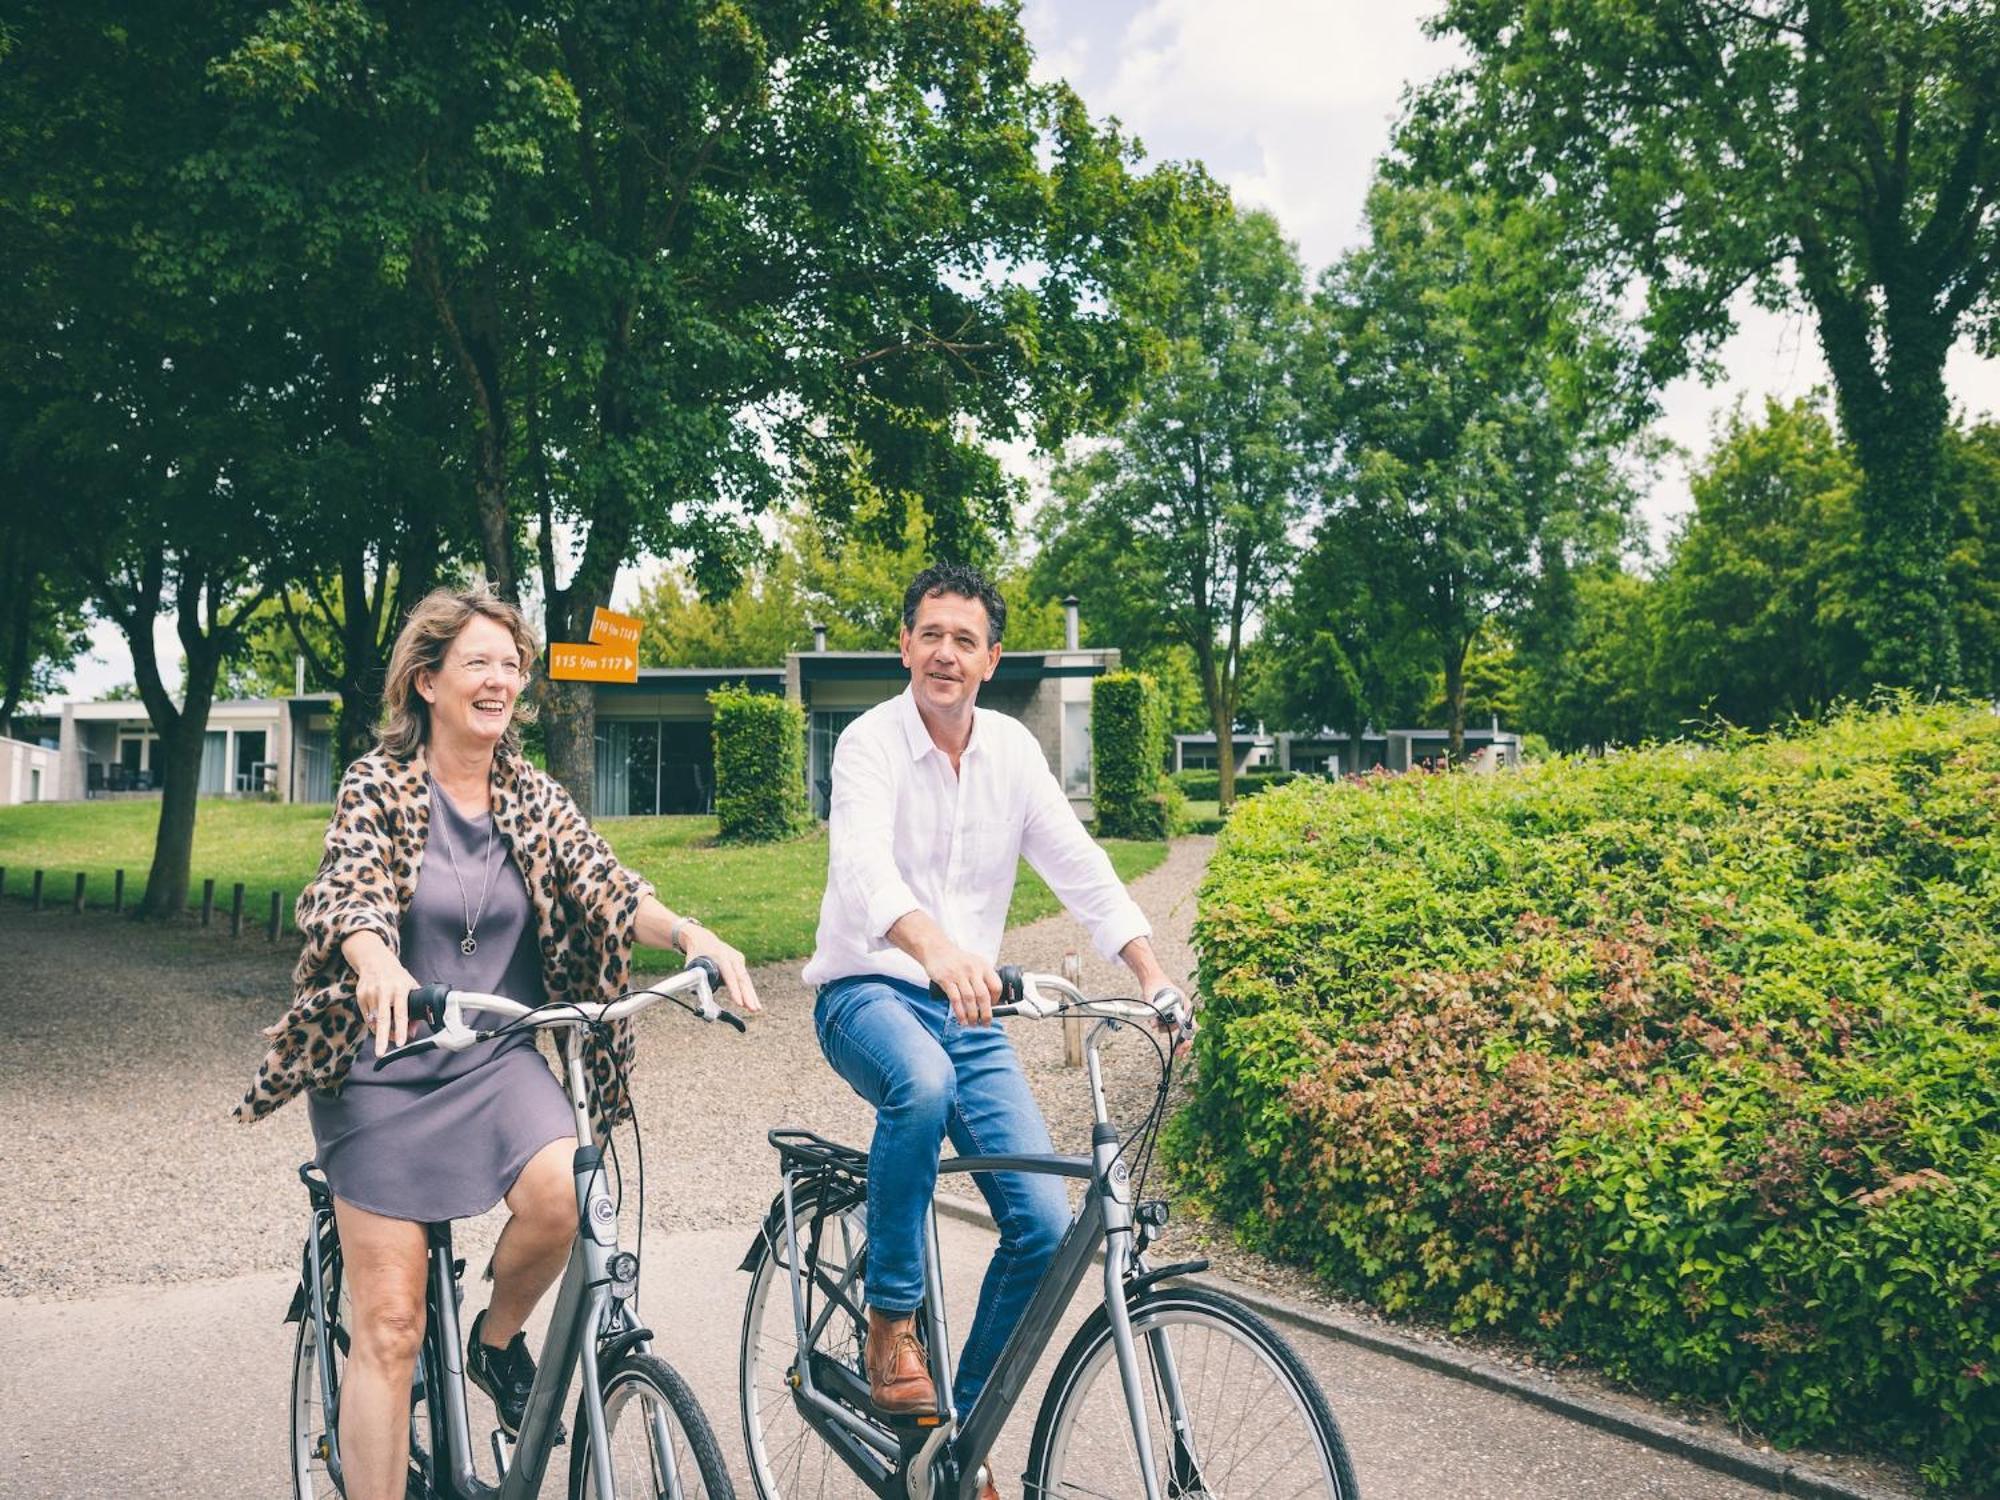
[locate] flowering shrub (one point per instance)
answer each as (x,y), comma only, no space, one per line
(1685,1062)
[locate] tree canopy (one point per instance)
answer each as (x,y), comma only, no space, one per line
(682,258)
(1180,527)
(1842,157)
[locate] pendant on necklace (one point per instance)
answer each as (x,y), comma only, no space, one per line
(467,946)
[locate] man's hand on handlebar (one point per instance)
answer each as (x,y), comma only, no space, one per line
(969,982)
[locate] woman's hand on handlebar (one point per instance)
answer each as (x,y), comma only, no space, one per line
(382,988)
(699,942)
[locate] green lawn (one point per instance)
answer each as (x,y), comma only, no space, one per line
(765,899)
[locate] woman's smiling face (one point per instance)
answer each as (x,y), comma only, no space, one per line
(471,695)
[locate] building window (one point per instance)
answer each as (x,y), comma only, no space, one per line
(827,727)
(649,767)
(1076,749)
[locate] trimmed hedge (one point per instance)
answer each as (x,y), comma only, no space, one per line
(1206,786)
(1685,1062)
(760,766)
(1128,746)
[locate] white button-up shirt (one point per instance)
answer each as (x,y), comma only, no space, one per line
(904,834)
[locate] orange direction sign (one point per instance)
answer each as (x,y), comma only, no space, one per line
(610,629)
(594,663)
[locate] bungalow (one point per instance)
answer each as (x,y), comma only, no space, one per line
(1327,752)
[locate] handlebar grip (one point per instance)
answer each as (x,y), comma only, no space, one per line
(1013,989)
(427,1004)
(709,967)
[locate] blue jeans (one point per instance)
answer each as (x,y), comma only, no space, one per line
(929,1077)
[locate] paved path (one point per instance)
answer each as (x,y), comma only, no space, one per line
(181,1390)
(147,1245)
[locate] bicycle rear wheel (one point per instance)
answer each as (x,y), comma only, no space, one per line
(658,1439)
(313,1441)
(1254,1419)
(789,1460)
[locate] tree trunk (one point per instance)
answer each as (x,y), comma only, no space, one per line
(1225,748)
(569,729)
(1357,748)
(1910,637)
(182,737)
(1454,700)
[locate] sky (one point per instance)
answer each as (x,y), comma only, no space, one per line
(1290,103)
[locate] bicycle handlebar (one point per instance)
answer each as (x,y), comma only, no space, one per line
(1021,995)
(442,1008)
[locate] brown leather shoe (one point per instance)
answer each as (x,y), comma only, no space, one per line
(899,1379)
(987,1492)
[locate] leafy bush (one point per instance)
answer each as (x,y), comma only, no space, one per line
(1686,1062)
(760,766)
(1128,750)
(1206,786)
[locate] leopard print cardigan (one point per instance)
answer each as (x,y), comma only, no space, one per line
(585,906)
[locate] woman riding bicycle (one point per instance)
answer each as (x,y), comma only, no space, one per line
(449,859)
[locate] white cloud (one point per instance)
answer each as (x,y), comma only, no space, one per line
(1289,102)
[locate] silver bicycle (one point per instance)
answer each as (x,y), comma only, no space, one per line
(639,1430)
(1168,1391)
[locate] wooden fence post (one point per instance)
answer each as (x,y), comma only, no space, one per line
(1072,970)
(118,891)
(35,902)
(207,901)
(277,909)
(236,911)
(76,902)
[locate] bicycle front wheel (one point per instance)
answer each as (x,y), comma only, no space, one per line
(1230,1409)
(658,1439)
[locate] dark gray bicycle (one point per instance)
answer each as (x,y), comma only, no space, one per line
(639,1432)
(1168,1391)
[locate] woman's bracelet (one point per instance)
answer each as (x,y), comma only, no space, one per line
(681,925)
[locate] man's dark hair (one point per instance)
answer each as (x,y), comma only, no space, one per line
(967,583)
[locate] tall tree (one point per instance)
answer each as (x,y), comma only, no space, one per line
(1472,397)
(1756,603)
(42,597)
(1587,672)
(1343,651)
(1842,155)
(677,252)
(148,392)
(1182,524)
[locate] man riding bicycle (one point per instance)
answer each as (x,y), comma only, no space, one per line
(934,801)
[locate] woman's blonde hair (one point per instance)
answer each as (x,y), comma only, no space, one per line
(427,635)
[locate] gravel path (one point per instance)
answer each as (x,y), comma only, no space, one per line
(123,1047)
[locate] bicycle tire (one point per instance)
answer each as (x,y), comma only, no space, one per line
(311,1478)
(787,1457)
(1083,1434)
(639,1390)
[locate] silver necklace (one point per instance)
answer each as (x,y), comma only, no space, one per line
(467,945)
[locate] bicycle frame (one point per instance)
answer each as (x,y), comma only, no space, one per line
(905,1465)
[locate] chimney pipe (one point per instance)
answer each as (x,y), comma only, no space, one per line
(1070,603)
(819,636)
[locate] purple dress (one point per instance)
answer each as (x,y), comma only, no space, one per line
(443,1135)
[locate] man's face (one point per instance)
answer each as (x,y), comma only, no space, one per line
(948,654)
